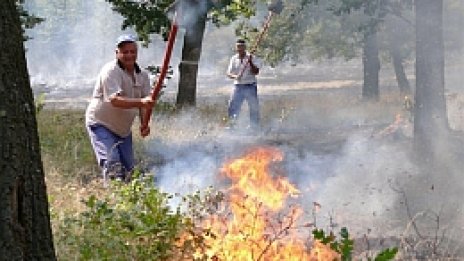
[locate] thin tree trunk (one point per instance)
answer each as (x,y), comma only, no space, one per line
(188,68)
(396,40)
(430,117)
(401,79)
(25,232)
(371,67)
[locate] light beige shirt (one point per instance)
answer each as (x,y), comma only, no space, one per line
(114,80)
(236,65)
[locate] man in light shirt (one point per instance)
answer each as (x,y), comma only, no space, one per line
(122,92)
(243,68)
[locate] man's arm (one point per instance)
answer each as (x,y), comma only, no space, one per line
(232,76)
(254,69)
(129,103)
(144,131)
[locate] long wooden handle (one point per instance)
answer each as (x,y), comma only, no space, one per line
(163,72)
(255,46)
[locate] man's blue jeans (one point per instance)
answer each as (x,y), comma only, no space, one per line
(248,92)
(111,150)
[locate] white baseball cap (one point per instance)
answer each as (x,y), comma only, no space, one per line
(125,38)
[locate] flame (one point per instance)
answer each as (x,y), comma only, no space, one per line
(393,127)
(250,177)
(260,226)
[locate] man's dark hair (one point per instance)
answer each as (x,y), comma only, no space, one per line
(240,41)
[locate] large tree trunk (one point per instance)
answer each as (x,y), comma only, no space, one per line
(371,66)
(25,232)
(430,118)
(188,68)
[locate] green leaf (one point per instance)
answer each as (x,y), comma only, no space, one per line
(387,254)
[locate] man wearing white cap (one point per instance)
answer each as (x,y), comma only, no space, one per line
(122,92)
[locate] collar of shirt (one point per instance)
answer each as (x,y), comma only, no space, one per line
(136,67)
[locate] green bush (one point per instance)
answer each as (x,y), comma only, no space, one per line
(345,245)
(133,223)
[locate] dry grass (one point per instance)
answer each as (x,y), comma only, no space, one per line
(72,174)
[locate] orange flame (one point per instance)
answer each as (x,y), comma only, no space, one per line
(256,228)
(250,177)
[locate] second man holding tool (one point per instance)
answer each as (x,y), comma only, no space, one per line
(243,68)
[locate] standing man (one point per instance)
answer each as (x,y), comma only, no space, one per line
(121,92)
(243,68)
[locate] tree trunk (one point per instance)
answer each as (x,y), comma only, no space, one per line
(401,79)
(396,41)
(371,67)
(430,118)
(25,232)
(188,67)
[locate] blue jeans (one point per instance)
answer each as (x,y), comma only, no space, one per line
(248,92)
(112,152)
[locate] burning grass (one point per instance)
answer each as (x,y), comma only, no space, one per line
(256,224)
(258,218)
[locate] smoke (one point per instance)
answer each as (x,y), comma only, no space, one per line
(77,38)
(333,156)
(359,193)
(190,151)
(187,13)
(309,111)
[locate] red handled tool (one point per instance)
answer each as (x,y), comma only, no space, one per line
(163,71)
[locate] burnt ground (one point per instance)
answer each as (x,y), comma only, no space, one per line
(338,150)
(346,154)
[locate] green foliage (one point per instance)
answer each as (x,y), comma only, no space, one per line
(344,246)
(150,17)
(305,30)
(387,254)
(134,222)
(227,11)
(147,17)
(28,21)
(39,103)
(313,30)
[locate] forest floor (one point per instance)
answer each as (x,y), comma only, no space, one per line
(349,156)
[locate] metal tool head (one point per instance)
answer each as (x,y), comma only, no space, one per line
(276,6)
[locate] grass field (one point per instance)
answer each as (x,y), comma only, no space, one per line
(320,123)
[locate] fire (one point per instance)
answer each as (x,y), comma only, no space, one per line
(250,177)
(260,226)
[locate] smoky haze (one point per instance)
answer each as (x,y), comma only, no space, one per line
(78,37)
(333,147)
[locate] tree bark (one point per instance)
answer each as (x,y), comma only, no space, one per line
(401,79)
(188,67)
(25,232)
(371,66)
(396,40)
(430,117)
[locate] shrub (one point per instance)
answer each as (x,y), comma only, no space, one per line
(134,222)
(345,245)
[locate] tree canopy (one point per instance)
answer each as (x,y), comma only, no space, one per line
(150,17)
